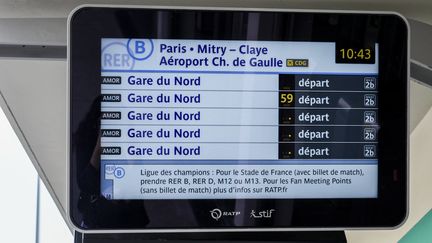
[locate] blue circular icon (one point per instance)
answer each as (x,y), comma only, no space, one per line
(140,49)
(119,172)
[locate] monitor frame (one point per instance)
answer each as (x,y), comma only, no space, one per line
(398,191)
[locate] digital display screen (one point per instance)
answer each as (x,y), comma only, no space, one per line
(217,119)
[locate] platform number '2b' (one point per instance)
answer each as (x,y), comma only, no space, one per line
(369,151)
(370,100)
(369,117)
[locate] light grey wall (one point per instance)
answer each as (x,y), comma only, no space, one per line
(35,96)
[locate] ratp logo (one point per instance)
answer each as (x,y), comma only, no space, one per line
(216,213)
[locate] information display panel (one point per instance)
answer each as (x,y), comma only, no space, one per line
(206,120)
(281,118)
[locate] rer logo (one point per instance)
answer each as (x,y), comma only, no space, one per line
(122,54)
(115,55)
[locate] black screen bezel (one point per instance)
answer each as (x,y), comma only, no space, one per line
(89,24)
